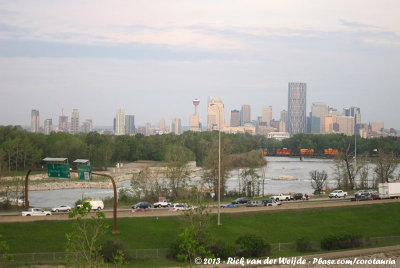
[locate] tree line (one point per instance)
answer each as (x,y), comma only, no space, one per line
(21,150)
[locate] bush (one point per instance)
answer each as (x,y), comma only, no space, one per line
(303,245)
(223,250)
(341,241)
(114,251)
(252,246)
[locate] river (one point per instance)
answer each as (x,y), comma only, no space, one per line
(277,166)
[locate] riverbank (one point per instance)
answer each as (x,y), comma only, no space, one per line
(41,182)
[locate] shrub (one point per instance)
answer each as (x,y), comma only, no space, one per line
(114,251)
(341,241)
(303,245)
(252,246)
(223,250)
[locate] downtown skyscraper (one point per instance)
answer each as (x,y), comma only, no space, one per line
(297,101)
(74,121)
(35,121)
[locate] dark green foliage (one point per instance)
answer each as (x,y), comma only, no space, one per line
(341,241)
(222,249)
(251,245)
(303,244)
(112,249)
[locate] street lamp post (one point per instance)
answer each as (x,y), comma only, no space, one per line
(219,165)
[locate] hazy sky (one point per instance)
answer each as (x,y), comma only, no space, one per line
(153,57)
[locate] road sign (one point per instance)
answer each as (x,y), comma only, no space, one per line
(58,170)
(85,172)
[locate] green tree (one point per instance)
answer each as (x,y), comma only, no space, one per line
(83,243)
(177,172)
(210,176)
(385,166)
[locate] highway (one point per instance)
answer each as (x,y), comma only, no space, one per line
(164,212)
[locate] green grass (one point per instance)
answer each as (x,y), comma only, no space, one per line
(280,226)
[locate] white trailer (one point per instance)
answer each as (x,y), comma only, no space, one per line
(389,190)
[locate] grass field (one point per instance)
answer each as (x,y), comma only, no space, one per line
(281,226)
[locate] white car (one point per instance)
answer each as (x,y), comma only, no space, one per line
(35,212)
(162,203)
(61,208)
(179,206)
(338,194)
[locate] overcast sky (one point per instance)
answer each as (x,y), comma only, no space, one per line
(152,57)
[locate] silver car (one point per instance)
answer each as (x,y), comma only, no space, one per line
(61,208)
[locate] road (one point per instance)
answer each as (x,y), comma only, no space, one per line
(163,212)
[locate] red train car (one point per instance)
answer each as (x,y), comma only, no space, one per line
(308,152)
(331,152)
(283,151)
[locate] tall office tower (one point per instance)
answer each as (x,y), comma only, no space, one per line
(245,114)
(63,123)
(120,122)
(194,121)
(161,130)
(284,116)
(87,126)
(130,125)
(297,119)
(35,121)
(356,113)
(267,114)
(176,126)
(318,109)
(74,121)
(235,118)
(215,114)
(48,126)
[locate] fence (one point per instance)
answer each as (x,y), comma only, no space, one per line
(159,253)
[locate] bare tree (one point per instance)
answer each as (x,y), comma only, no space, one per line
(318,180)
(386,165)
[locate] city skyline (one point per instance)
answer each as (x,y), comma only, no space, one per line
(154,61)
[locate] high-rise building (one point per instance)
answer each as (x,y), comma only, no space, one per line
(74,121)
(120,122)
(235,118)
(48,126)
(332,123)
(176,126)
(245,114)
(63,123)
(87,126)
(318,109)
(194,121)
(356,113)
(297,118)
(161,129)
(267,114)
(35,121)
(215,114)
(130,125)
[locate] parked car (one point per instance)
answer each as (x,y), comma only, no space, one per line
(230,206)
(338,194)
(61,208)
(375,196)
(253,203)
(179,206)
(271,203)
(296,196)
(241,200)
(142,205)
(141,210)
